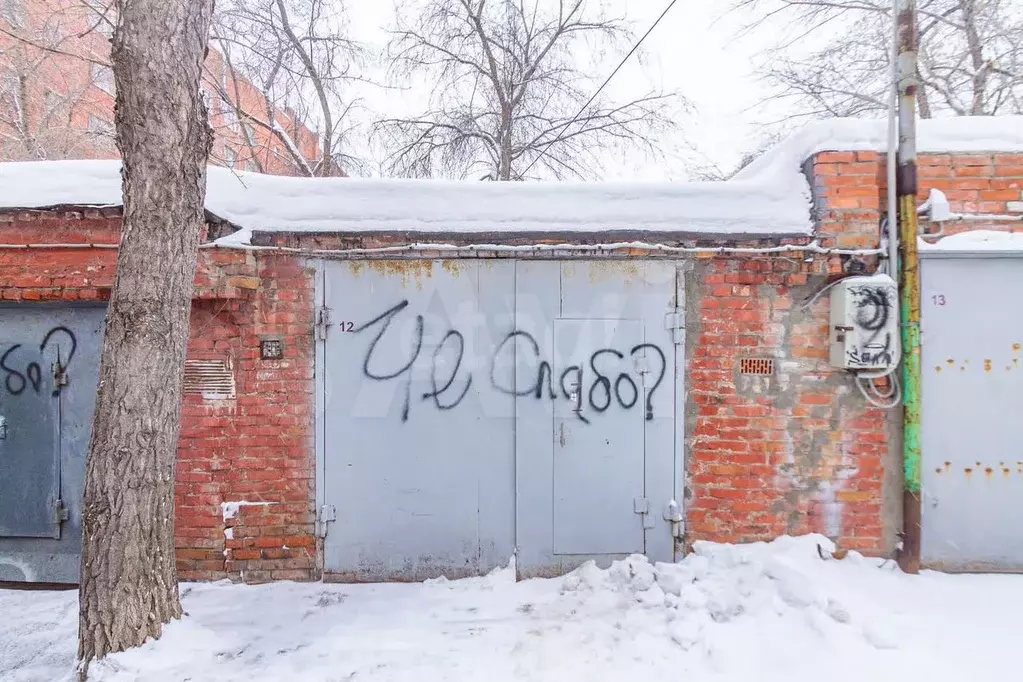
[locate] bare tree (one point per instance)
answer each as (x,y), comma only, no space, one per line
(39,99)
(129,585)
(299,56)
(507,84)
(970,60)
(62,48)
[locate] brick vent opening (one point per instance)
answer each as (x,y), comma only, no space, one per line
(756,366)
(212,379)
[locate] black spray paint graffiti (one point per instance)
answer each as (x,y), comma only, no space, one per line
(874,309)
(446,395)
(572,379)
(16,382)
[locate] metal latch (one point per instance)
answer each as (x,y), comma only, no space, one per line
(328,513)
(322,322)
(59,375)
(641,506)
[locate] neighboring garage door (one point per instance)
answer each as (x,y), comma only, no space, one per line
(478,409)
(49,367)
(972,411)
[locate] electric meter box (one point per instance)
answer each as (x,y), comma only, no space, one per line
(865,324)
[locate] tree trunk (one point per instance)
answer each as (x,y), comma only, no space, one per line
(129,578)
(504,172)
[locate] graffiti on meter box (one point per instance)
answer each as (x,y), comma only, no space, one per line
(595,385)
(875,307)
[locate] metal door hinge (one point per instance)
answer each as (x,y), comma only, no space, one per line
(327,514)
(674,321)
(322,322)
(673,515)
(3,427)
(60,513)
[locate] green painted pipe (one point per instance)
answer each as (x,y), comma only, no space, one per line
(910,312)
(909,293)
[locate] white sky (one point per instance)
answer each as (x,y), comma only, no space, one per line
(694,50)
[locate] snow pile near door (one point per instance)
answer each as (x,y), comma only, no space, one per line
(768,612)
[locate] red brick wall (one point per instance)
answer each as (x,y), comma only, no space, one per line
(257,448)
(796,451)
(976,183)
(802,451)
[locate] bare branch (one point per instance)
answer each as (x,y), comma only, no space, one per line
(299,54)
(970,56)
(506,82)
(53,50)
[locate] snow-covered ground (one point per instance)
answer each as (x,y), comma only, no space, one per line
(765,612)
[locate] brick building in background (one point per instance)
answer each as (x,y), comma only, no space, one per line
(398,380)
(57,95)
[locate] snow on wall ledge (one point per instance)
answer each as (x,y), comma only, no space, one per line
(770,197)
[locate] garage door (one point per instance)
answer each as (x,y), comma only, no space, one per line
(49,367)
(972,402)
(478,409)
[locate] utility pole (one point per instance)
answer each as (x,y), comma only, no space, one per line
(909,556)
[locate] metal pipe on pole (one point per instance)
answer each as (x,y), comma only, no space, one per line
(891,163)
(909,555)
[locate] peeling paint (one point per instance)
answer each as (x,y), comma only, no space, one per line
(406,270)
(451,267)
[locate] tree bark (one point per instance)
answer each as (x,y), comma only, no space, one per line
(129,578)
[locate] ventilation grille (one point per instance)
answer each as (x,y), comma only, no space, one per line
(212,379)
(756,366)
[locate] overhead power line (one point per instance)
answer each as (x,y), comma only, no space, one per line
(604,84)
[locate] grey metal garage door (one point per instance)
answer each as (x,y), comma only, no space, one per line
(477,409)
(49,367)
(972,411)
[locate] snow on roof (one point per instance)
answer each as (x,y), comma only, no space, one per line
(770,197)
(965,134)
(287,204)
(976,240)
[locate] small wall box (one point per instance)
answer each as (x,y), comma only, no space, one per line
(865,323)
(271,348)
